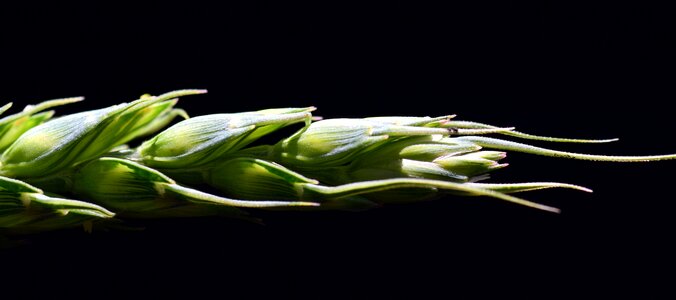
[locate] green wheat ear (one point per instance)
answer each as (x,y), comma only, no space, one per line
(210,165)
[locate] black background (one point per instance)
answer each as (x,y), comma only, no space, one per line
(580,70)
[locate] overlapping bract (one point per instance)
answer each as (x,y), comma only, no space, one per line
(13,126)
(204,139)
(344,164)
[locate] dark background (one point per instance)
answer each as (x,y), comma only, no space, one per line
(589,70)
